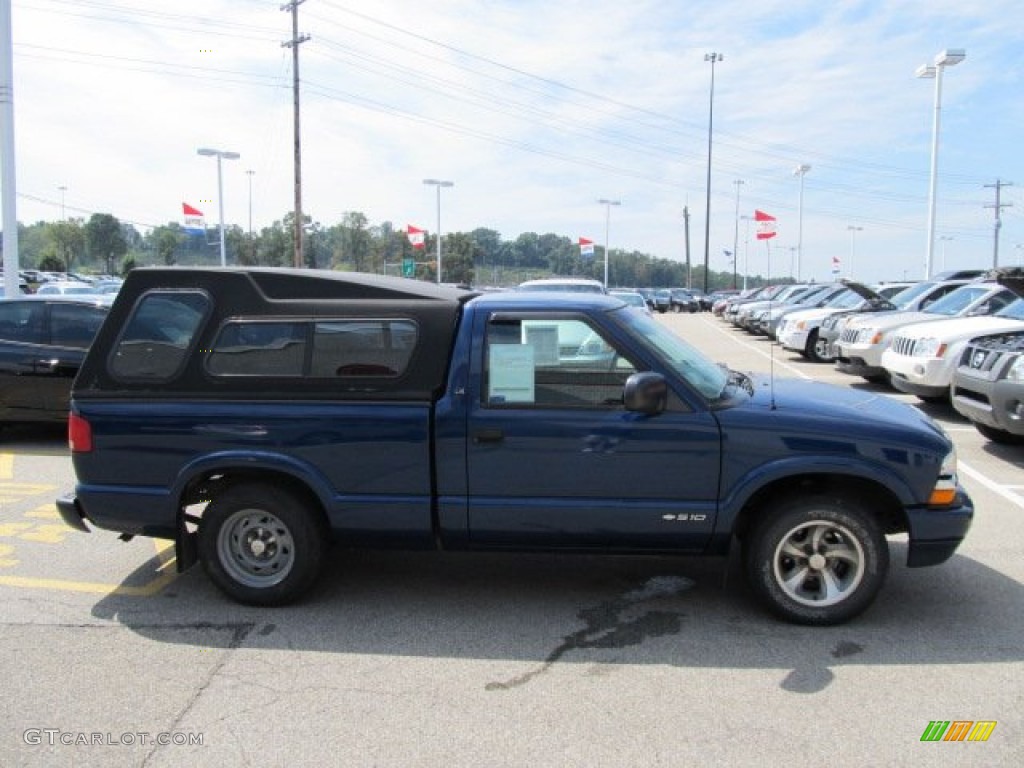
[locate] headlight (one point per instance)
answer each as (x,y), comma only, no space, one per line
(1016,371)
(801,325)
(865,335)
(929,347)
(944,492)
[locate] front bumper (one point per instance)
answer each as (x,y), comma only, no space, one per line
(793,339)
(996,404)
(935,533)
(857,366)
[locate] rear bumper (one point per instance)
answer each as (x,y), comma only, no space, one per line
(71,513)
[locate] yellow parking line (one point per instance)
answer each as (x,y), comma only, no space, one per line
(6,466)
(46,511)
(166,574)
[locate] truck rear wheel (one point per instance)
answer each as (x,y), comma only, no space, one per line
(817,560)
(262,545)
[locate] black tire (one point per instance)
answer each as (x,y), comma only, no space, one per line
(998,435)
(262,545)
(817,560)
(817,348)
(878,378)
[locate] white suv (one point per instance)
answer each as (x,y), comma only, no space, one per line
(922,357)
(799,330)
(865,337)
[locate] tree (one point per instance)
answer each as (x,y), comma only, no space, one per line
(68,239)
(353,243)
(165,242)
(458,257)
(104,240)
(275,246)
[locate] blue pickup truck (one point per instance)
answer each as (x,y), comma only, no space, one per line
(255,416)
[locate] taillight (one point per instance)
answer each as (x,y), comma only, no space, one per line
(79,434)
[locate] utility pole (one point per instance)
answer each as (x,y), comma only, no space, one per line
(686,234)
(998,186)
(8,193)
(294,45)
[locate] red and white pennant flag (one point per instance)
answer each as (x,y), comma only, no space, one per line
(586,247)
(416,235)
(765,225)
(194,223)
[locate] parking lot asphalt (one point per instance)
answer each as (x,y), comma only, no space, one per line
(432,659)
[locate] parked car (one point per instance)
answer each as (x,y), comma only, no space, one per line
(563,285)
(65,288)
(859,348)
(747,314)
(633,298)
(922,356)
(662,300)
(988,383)
(769,320)
(683,300)
(799,331)
(43,340)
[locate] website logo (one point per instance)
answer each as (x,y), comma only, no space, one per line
(958,730)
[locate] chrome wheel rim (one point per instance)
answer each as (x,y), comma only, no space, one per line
(819,563)
(256,548)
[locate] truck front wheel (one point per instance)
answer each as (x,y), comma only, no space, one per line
(262,545)
(817,560)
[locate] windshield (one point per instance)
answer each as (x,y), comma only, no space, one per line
(1014,310)
(846,300)
(956,302)
(705,376)
(906,298)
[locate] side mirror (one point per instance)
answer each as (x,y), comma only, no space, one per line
(645,392)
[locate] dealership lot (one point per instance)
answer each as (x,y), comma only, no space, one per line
(447,659)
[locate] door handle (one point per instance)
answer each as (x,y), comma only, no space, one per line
(489,436)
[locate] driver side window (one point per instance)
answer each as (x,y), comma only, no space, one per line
(552,363)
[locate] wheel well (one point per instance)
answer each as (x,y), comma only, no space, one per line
(879,500)
(206,487)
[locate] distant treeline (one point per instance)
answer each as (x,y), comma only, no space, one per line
(104,245)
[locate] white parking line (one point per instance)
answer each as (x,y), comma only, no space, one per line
(992,485)
(771,355)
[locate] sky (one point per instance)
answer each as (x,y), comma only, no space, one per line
(536,110)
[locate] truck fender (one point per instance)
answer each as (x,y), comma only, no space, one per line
(805,465)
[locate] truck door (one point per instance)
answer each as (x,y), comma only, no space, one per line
(555,460)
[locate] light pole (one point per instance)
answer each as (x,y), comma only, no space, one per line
(438,183)
(252,245)
(713,58)
(800,171)
(944,239)
(947,58)
(853,245)
(62,189)
(607,221)
(746,249)
(220,154)
(736,233)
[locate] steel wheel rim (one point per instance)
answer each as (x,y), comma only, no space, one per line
(256,548)
(819,563)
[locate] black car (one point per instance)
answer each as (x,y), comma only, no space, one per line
(43,340)
(683,300)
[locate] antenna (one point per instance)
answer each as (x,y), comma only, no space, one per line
(771,349)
